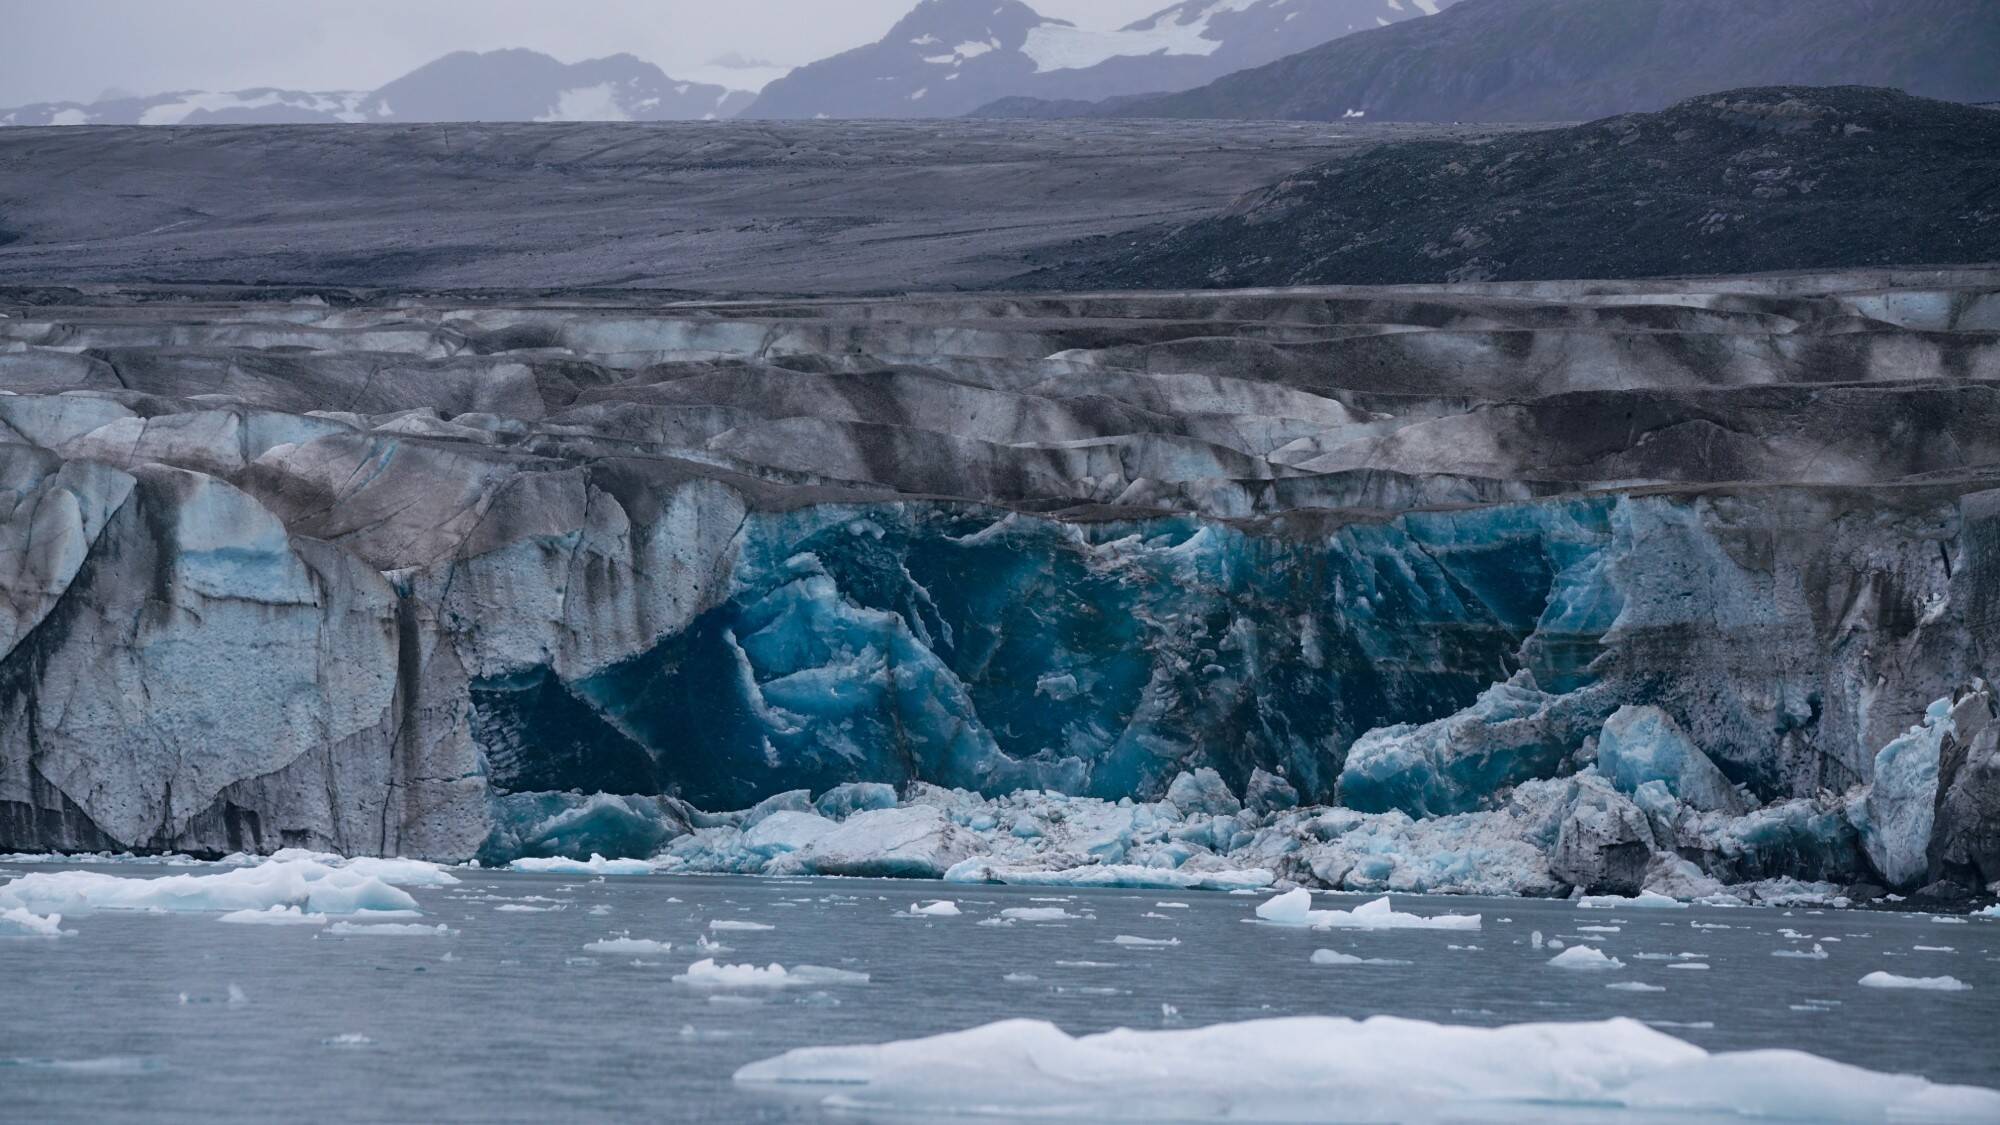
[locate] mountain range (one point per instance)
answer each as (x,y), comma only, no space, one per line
(1570,60)
(949,57)
(512,85)
(945,58)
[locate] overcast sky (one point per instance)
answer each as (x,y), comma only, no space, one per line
(57,50)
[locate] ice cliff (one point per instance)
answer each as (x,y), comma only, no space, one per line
(1618,587)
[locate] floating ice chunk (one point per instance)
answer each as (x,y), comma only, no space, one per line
(1335,957)
(1816,953)
(389,929)
(595,865)
(275,916)
(1378,1069)
(1600,929)
(1184,906)
(399,872)
(1585,958)
(350,1039)
(1294,908)
(1128,939)
(237,997)
(1934,948)
(706,973)
(524,908)
(1020,978)
(308,883)
(738,925)
(1038,914)
(1111,875)
(1693,966)
(1990,912)
(1880,979)
(629,945)
(1647,900)
(18,922)
(1634,986)
(942,908)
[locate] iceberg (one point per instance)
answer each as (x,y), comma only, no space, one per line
(1379,1069)
(595,865)
(309,884)
(1880,979)
(1588,959)
(1294,908)
(1038,914)
(1113,875)
(1644,900)
(389,929)
(707,973)
(629,945)
(943,908)
(16,921)
(274,916)
(1335,957)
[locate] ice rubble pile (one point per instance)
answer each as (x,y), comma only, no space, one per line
(1544,837)
(1382,1068)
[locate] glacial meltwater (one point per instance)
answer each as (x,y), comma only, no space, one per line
(548,997)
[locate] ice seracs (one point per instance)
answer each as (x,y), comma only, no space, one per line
(1380,1069)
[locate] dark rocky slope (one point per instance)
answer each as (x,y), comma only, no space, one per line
(1744,181)
(389,573)
(1570,60)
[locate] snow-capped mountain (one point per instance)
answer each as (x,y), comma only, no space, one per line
(514,85)
(197,107)
(522,85)
(949,57)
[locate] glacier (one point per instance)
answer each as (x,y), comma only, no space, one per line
(1100,590)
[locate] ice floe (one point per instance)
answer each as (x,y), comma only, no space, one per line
(1585,958)
(708,973)
(314,886)
(1646,900)
(274,916)
(1335,957)
(1879,979)
(1038,914)
(739,925)
(629,946)
(18,922)
(1294,908)
(942,908)
(1378,1069)
(595,865)
(1128,939)
(389,929)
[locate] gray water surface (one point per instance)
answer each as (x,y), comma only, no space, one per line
(510,1020)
